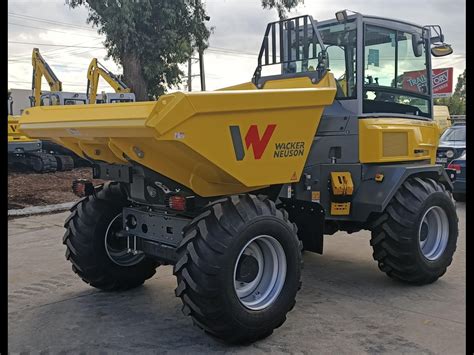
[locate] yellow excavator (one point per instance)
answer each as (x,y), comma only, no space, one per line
(42,69)
(45,156)
(56,95)
(122,91)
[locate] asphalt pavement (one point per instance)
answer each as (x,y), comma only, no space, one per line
(346,305)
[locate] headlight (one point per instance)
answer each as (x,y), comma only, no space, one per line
(450,154)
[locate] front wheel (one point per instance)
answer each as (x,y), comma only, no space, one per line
(238,268)
(415,238)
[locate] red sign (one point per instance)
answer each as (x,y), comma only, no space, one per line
(442,80)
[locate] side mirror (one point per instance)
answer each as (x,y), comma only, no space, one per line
(441,50)
(417,44)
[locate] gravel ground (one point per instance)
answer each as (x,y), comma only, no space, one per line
(29,189)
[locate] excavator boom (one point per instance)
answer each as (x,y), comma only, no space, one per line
(40,69)
(97,70)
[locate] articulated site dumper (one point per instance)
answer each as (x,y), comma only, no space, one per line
(231,186)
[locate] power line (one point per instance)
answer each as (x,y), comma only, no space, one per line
(232,51)
(27,57)
(29,82)
(40,19)
(48,29)
(54,45)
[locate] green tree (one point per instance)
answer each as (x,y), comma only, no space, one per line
(282,6)
(460,89)
(149,38)
(457,101)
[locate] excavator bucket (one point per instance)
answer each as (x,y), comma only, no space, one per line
(215,143)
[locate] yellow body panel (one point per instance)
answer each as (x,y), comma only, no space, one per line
(194,138)
(14,133)
(384,140)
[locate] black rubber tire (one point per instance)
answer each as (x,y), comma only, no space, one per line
(65,163)
(43,163)
(84,239)
(206,259)
(395,234)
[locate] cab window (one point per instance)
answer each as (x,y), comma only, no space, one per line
(395,80)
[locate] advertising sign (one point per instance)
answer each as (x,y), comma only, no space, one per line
(442,81)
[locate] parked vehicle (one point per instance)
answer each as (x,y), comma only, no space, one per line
(452,144)
(441,117)
(459,188)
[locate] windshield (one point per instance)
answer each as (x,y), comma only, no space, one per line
(395,77)
(454,134)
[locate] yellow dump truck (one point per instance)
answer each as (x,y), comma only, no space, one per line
(230,186)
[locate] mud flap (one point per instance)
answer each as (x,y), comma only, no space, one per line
(309,218)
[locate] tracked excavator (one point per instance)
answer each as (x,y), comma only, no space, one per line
(42,156)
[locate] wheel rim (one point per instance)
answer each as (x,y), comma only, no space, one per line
(260,272)
(117,248)
(433,233)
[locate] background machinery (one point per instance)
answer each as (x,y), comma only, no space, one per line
(55,96)
(122,92)
(50,156)
(229,186)
(25,151)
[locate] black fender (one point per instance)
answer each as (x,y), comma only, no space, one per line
(374,196)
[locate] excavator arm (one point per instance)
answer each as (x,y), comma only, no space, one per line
(40,69)
(97,70)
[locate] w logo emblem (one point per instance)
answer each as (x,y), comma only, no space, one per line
(252,138)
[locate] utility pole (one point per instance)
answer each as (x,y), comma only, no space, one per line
(201,71)
(201,54)
(190,79)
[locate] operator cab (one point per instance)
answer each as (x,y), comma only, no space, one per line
(62,98)
(381,66)
(112,98)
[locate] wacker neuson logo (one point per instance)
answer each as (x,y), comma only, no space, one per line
(288,149)
(259,144)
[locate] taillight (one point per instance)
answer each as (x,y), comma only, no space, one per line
(456,167)
(177,203)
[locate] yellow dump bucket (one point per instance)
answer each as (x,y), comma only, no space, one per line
(215,143)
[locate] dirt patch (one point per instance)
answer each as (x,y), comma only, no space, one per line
(30,189)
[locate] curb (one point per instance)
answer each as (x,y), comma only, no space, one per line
(28,211)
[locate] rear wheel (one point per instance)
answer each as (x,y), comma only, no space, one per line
(99,255)
(238,268)
(415,238)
